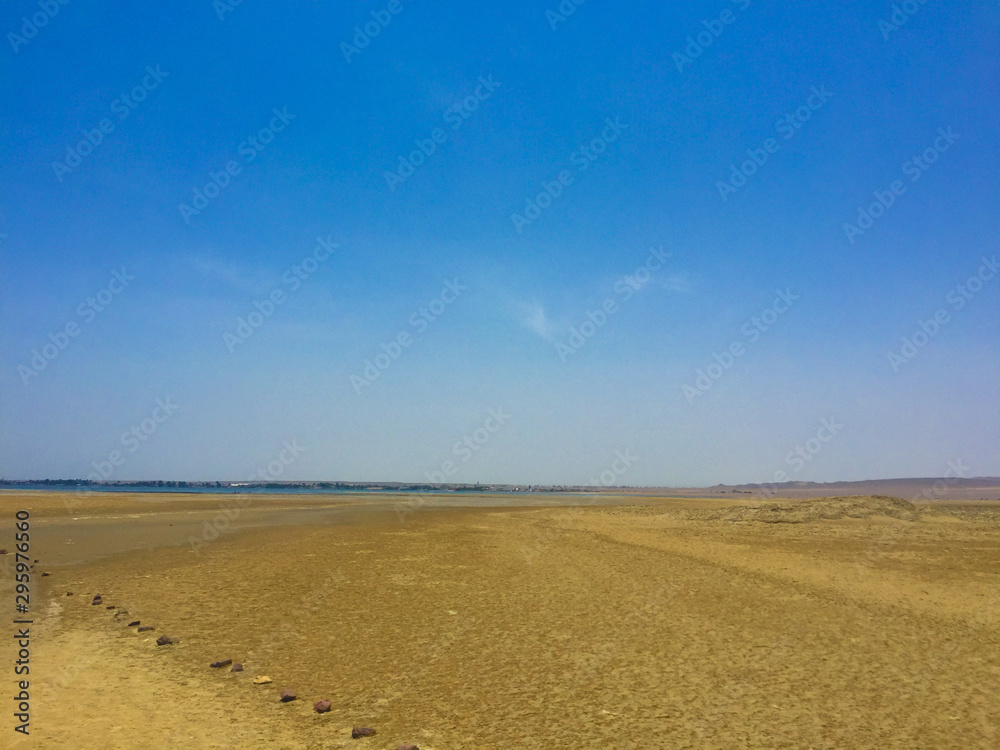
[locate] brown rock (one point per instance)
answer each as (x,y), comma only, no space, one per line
(407,746)
(97,600)
(144,628)
(3,552)
(362,732)
(134,623)
(321,707)
(111,606)
(237,667)
(287,695)
(223,663)
(45,574)
(166,640)
(261,680)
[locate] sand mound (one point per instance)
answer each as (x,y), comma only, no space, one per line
(824,508)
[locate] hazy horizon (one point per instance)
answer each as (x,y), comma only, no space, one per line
(950,480)
(686,245)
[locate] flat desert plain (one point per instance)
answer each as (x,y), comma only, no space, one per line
(465,623)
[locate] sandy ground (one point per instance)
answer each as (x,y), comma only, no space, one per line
(681,624)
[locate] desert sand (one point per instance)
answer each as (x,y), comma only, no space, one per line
(674,623)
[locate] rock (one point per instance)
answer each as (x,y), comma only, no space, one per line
(362,732)
(97,600)
(223,663)
(45,574)
(321,707)
(69,593)
(407,746)
(134,624)
(166,640)
(262,680)
(144,628)
(287,695)
(3,552)
(111,606)
(237,667)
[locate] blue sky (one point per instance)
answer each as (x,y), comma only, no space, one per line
(497,311)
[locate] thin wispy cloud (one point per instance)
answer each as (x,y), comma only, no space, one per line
(533,316)
(242,277)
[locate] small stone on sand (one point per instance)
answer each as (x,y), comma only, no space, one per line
(166,640)
(237,667)
(362,732)
(287,695)
(134,623)
(321,707)
(144,628)
(223,663)
(407,746)
(262,680)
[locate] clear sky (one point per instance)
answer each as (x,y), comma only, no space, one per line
(665,243)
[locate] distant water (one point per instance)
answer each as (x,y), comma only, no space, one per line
(68,487)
